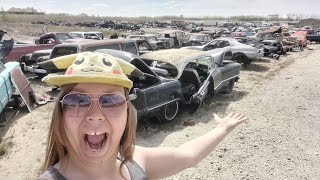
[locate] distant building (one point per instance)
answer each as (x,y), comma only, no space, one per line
(273,16)
(28,10)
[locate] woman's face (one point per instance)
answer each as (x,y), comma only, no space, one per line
(93,131)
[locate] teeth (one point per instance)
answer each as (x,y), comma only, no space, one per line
(95,133)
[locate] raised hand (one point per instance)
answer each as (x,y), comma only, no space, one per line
(230,121)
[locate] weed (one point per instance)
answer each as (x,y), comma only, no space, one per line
(4,147)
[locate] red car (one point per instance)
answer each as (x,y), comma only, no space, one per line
(301,37)
(46,41)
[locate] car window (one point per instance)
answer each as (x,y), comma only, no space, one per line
(143,46)
(129,47)
(91,36)
(204,64)
(62,51)
(110,46)
(76,35)
(63,36)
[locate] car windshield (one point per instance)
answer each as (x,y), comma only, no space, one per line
(196,37)
(75,35)
(63,36)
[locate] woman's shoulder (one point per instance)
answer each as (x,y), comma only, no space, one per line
(139,156)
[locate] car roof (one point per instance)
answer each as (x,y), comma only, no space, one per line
(226,39)
(174,56)
(101,42)
(142,35)
(171,31)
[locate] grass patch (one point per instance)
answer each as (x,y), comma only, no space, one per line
(4,147)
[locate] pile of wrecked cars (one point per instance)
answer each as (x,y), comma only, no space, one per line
(176,78)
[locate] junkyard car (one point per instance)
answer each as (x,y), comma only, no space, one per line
(13,84)
(46,41)
(30,62)
(87,35)
(6,87)
(179,37)
(169,41)
(314,37)
(301,37)
(198,39)
(242,53)
(152,40)
(200,73)
(273,47)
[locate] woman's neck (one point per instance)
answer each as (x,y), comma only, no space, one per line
(74,168)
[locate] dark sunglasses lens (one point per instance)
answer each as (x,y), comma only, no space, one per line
(111,101)
(76,100)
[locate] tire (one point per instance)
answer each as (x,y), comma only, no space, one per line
(241,58)
(211,91)
(169,112)
(229,87)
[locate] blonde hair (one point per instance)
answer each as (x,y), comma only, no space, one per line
(58,142)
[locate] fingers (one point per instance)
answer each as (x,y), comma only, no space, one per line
(237,116)
(216,117)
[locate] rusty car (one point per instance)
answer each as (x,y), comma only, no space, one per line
(46,41)
(198,39)
(201,73)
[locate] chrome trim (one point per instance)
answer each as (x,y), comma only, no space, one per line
(174,100)
(225,81)
(34,70)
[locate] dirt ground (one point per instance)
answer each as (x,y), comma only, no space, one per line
(280,141)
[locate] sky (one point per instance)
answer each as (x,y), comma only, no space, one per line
(187,8)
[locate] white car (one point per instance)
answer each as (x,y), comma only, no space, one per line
(242,53)
(87,35)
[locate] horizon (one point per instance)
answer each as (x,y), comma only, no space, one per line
(187,8)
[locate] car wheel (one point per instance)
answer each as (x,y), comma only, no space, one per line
(195,103)
(169,112)
(229,87)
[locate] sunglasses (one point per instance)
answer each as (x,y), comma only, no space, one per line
(78,104)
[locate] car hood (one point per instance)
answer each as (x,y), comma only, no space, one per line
(174,58)
(194,47)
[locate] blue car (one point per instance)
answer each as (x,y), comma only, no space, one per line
(6,86)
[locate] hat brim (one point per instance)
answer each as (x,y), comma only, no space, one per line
(60,80)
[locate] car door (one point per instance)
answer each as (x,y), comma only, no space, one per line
(151,93)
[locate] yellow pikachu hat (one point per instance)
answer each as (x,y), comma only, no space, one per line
(91,67)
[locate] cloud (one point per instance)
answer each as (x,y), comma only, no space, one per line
(100,5)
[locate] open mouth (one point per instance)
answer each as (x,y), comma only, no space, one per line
(95,141)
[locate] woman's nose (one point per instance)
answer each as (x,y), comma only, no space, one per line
(95,113)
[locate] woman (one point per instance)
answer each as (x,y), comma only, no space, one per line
(92,132)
